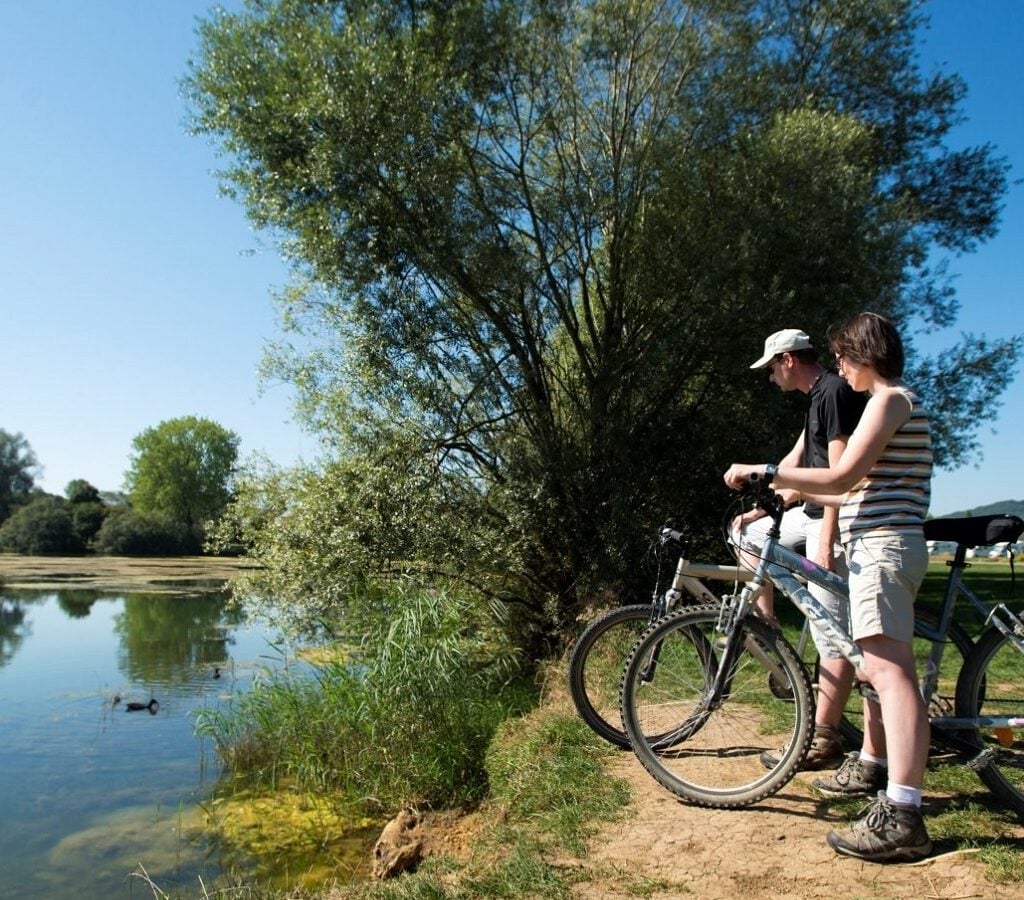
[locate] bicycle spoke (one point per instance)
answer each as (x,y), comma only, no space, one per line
(712,752)
(992,685)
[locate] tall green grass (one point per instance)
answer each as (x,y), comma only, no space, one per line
(404,714)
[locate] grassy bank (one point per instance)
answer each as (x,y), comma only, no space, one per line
(536,781)
(400,712)
(549,789)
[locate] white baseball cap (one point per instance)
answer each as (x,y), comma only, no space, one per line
(786,341)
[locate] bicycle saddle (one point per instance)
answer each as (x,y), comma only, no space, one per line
(975,531)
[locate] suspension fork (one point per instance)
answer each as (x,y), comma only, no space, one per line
(737,641)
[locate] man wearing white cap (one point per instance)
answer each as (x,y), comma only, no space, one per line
(832,414)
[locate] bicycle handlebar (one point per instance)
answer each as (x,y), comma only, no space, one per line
(764,496)
(668,535)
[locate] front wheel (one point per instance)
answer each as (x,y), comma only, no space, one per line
(992,684)
(713,730)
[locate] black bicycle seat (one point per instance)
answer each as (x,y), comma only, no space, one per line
(975,531)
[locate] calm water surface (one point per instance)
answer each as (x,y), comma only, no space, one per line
(89,791)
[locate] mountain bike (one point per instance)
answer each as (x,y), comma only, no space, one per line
(699,725)
(600,652)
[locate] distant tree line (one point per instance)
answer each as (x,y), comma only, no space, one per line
(1002,507)
(178,481)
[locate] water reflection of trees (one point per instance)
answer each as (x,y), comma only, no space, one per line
(168,638)
(12,628)
(77,603)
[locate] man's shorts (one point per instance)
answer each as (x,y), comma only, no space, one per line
(886,571)
(792,532)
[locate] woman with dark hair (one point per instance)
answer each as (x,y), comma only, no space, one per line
(882,486)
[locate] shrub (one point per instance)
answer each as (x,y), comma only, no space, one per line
(86,521)
(125,532)
(42,526)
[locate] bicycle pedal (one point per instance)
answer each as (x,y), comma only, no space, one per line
(867,691)
(982,761)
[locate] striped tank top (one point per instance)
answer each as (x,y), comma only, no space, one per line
(895,494)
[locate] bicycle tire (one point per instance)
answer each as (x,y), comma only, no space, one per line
(595,668)
(992,684)
(942,701)
(713,758)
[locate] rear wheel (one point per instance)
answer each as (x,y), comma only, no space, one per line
(992,684)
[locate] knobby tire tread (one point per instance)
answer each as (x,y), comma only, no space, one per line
(977,687)
(610,731)
(739,795)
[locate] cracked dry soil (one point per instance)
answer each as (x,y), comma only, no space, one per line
(776,849)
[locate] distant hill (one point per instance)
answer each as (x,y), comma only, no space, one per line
(1014,507)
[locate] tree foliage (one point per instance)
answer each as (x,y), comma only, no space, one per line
(81,491)
(537,243)
(125,532)
(17,472)
(181,470)
(87,510)
(41,526)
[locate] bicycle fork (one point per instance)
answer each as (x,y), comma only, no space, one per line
(737,639)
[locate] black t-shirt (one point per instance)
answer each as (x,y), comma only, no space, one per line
(834,411)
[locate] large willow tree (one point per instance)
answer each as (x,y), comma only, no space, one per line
(537,245)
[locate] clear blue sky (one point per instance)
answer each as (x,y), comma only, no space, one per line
(131,293)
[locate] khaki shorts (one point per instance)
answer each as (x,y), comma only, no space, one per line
(886,570)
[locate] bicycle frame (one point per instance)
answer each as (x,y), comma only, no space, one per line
(777,564)
(687,578)
(688,574)
(998,615)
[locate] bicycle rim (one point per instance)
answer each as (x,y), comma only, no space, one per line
(595,668)
(710,752)
(942,700)
(992,684)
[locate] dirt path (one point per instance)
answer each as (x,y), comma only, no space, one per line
(668,849)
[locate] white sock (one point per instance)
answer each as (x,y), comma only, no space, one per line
(902,795)
(874,760)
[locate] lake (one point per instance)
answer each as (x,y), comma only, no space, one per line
(92,791)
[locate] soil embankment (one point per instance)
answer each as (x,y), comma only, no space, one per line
(775,850)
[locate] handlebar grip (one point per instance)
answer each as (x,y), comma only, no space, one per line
(667,534)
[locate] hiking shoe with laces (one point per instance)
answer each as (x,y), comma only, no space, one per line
(826,751)
(886,832)
(853,779)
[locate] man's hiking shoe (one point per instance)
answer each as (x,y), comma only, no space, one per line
(887,832)
(853,779)
(826,751)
